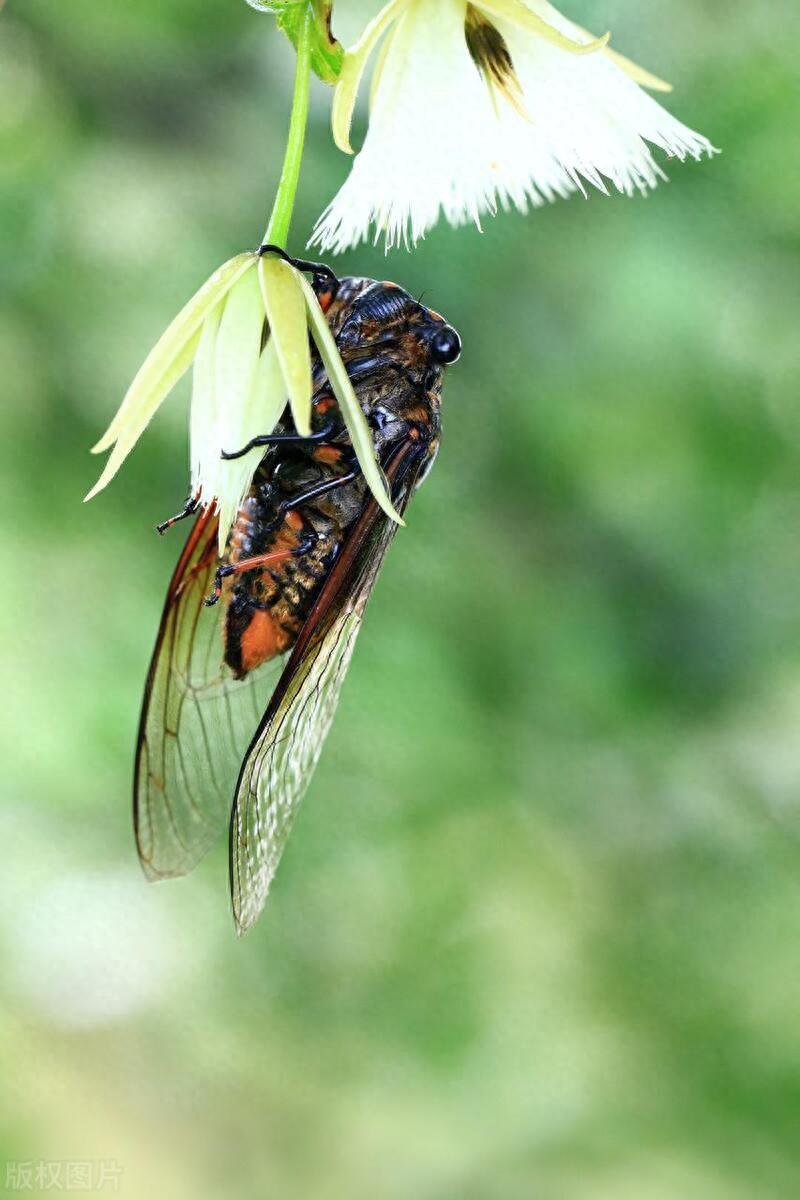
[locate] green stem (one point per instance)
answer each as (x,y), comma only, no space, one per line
(278,228)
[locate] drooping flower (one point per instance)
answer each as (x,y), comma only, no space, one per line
(246,333)
(495,103)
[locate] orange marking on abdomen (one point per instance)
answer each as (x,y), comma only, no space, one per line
(262,640)
(327,454)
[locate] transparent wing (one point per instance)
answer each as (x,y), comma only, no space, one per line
(288,744)
(197,720)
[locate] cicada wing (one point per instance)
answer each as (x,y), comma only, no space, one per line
(287,746)
(197,720)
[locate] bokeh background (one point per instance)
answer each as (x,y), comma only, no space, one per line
(537,932)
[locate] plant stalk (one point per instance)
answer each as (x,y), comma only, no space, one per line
(280,221)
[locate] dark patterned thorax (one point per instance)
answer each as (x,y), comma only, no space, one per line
(391,346)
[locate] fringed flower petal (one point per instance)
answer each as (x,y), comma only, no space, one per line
(576,115)
(593,123)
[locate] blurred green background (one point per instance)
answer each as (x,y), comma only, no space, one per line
(537,932)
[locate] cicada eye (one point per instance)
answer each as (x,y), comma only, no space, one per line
(446,345)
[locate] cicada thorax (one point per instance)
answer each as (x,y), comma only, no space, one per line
(384,337)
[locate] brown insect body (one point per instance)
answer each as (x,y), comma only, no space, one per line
(240,696)
(383,336)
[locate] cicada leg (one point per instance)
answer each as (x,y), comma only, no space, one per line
(189,509)
(326,282)
(252,564)
(280,439)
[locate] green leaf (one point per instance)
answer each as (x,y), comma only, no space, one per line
(327,54)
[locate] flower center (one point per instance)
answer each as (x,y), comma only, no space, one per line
(490,53)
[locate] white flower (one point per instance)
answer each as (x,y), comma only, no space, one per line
(486,105)
(247,333)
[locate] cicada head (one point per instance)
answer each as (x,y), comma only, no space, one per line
(395,349)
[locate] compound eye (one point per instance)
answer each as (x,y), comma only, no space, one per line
(446,345)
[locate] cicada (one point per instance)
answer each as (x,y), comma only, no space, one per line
(252,649)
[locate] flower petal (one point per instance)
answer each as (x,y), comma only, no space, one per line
(531,22)
(238,351)
(592,121)
(286,311)
(581,118)
(377,71)
(259,417)
(576,33)
(638,74)
(139,416)
(157,376)
(401,181)
(353,67)
(349,406)
(203,416)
